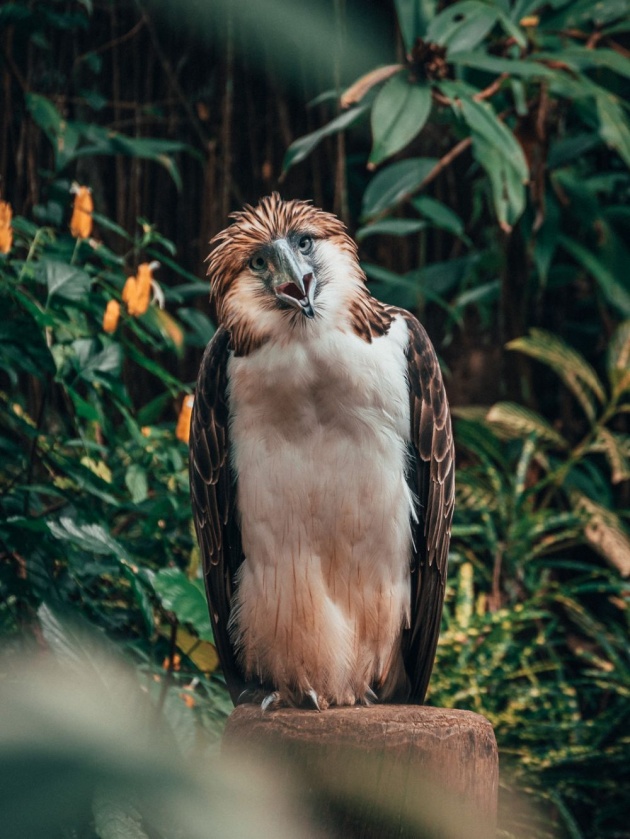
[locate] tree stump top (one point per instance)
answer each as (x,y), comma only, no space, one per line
(385,770)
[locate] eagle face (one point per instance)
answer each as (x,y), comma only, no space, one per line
(321,470)
(286,268)
(279,265)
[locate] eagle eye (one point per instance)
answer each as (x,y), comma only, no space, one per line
(258,263)
(305,244)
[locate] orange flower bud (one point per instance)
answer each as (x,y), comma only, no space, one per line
(182,431)
(81,221)
(529,21)
(111,316)
(137,290)
(143,287)
(6,233)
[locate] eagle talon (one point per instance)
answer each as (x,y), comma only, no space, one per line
(273,700)
(369,696)
(314,699)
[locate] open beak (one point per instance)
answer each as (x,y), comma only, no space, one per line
(293,281)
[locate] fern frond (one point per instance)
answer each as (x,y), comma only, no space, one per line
(576,373)
(514,422)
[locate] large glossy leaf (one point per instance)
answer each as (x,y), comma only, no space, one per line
(496,149)
(439,214)
(395,183)
(576,373)
(413,19)
(463,25)
(93,361)
(391,227)
(399,113)
(63,280)
(484,122)
(526,69)
(186,598)
(302,147)
(508,189)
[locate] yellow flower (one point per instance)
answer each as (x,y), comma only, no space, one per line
(111,316)
(6,233)
(137,290)
(182,431)
(81,221)
(529,21)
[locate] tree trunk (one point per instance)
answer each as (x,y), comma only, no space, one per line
(383,771)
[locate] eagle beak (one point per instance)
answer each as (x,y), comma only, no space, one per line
(293,282)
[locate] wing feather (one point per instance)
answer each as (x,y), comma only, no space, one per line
(431,479)
(213,494)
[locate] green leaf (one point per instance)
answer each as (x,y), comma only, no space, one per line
(517,421)
(576,373)
(463,25)
(302,147)
(611,288)
(413,18)
(498,152)
(44,114)
(391,227)
(440,215)
(107,361)
(567,149)
(186,598)
(483,122)
(524,68)
(613,125)
(136,483)
(92,538)
(508,189)
(399,113)
(201,327)
(547,237)
(64,280)
(156,369)
(84,409)
(581,58)
(394,183)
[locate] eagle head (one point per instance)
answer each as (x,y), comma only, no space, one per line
(279,265)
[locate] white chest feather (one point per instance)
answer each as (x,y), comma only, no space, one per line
(319,428)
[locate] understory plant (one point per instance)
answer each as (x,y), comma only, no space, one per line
(537,621)
(94,510)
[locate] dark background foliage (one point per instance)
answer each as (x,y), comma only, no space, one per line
(485,175)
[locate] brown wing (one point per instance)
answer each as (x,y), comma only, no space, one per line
(213,495)
(432,479)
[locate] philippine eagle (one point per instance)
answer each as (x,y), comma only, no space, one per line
(321,469)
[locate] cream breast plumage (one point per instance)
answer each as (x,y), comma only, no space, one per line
(322,470)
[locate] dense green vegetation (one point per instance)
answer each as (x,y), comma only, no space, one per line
(486,176)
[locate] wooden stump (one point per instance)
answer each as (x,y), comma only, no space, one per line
(384,771)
